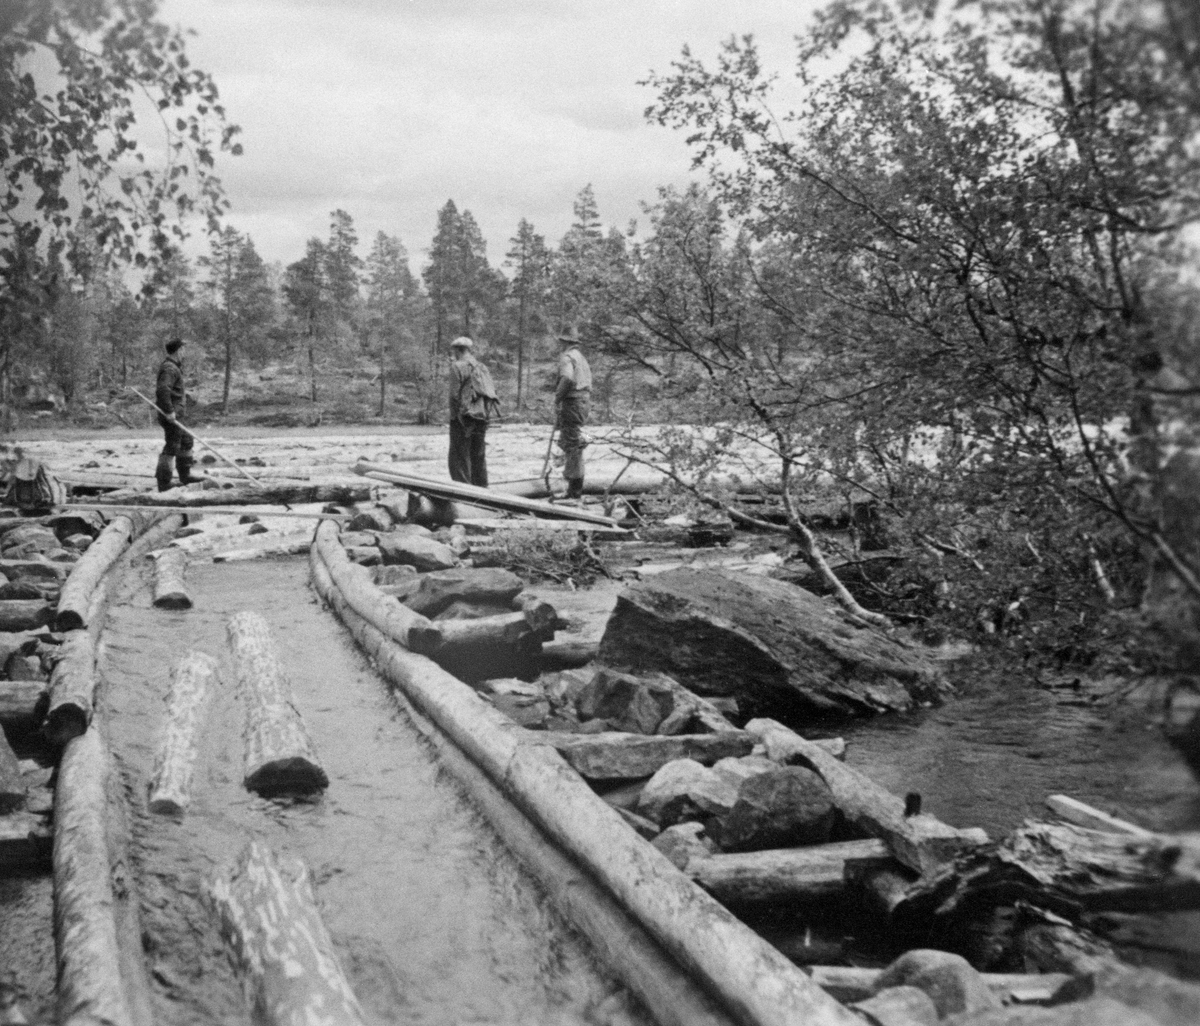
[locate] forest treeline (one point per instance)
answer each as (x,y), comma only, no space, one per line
(952,281)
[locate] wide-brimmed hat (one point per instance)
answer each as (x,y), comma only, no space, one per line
(462,342)
(570,335)
(173,345)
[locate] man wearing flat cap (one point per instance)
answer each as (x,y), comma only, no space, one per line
(169,397)
(572,394)
(472,403)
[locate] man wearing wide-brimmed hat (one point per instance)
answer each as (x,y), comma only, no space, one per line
(472,403)
(572,394)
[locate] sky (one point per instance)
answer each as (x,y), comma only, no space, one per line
(388,108)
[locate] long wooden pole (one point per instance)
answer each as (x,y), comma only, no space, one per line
(188,431)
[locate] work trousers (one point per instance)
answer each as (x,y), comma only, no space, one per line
(572,415)
(468,451)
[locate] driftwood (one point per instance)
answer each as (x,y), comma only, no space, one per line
(269,917)
(280,757)
(1068,870)
(847,983)
(1084,815)
(23,704)
(436,590)
(613,755)
(396,621)
(88,572)
(274,494)
(921,842)
(25,614)
(811,873)
(170,591)
(170,785)
(12,787)
(72,688)
(750,977)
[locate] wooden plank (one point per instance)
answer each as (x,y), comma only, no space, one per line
(812,873)
(269,917)
(1081,814)
(479,496)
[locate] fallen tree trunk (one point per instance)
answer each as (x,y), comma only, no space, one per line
(280,757)
(269,917)
(23,704)
(755,982)
(170,785)
(271,495)
(89,571)
(25,614)
(383,612)
(12,787)
(1068,870)
(72,688)
(811,874)
(921,842)
(614,755)
(170,591)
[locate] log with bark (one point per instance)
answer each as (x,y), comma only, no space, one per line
(170,590)
(921,842)
(25,614)
(268,915)
(273,494)
(192,683)
(72,687)
(23,704)
(504,645)
(1067,869)
(395,620)
(772,646)
(814,873)
(280,757)
(12,786)
(750,977)
(614,755)
(89,571)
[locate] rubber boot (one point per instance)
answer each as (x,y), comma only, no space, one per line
(575,488)
(162,473)
(183,464)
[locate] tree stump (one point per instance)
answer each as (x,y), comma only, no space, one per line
(280,757)
(192,683)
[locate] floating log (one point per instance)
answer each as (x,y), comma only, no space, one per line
(72,688)
(921,842)
(753,979)
(23,704)
(1084,815)
(849,984)
(97,981)
(614,755)
(170,785)
(1069,870)
(170,591)
(274,494)
(280,757)
(12,787)
(440,588)
(268,915)
(26,842)
(396,621)
(88,572)
(811,874)
(479,496)
(670,994)
(25,614)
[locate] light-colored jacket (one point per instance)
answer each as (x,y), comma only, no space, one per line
(574,374)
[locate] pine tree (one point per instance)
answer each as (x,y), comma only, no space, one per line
(307,293)
(530,261)
(391,288)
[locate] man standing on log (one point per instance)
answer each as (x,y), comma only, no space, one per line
(169,398)
(472,403)
(572,394)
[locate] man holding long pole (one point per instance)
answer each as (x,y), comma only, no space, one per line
(169,398)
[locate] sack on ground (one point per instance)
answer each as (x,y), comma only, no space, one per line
(480,400)
(31,486)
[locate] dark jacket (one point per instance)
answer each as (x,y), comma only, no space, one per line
(168,392)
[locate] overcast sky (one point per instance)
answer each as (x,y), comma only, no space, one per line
(387,108)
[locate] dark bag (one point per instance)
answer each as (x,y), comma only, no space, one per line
(32,487)
(479,394)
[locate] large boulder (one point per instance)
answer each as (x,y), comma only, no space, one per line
(785,807)
(955,987)
(685,790)
(774,647)
(441,588)
(412,549)
(625,701)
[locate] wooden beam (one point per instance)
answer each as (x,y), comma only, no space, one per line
(811,873)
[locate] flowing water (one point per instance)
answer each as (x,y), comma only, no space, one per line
(434,921)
